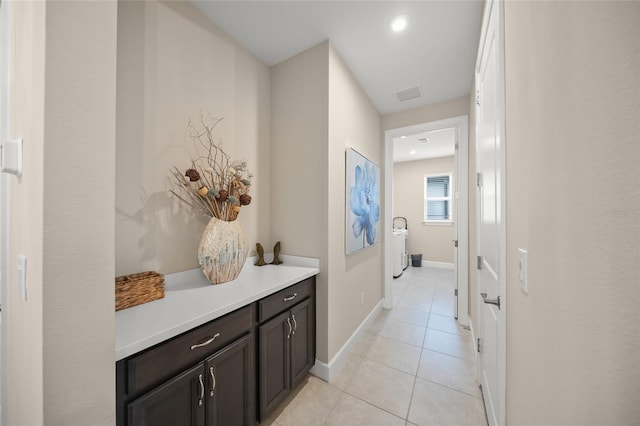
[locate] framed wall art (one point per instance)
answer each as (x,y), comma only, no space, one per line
(362,206)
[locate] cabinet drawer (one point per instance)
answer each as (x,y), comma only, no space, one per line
(284,299)
(165,360)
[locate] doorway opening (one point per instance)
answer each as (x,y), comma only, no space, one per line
(460,131)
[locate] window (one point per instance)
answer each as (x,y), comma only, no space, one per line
(437,198)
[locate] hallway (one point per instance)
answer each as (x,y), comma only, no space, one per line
(413,366)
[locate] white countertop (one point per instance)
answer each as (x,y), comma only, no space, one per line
(190,300)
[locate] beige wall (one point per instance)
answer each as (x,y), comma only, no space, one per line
(573,201)
(300,105)
(433,241)
(174,63)
(434,112)
(353,122)
(318,110)
(61,340)
(25,326)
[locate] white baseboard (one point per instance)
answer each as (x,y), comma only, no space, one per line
(328,371)
(432,264)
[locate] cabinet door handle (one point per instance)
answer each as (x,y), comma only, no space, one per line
(290,328)
(295,324)
(293,296)
(213,381)
(201,389)
(206,342)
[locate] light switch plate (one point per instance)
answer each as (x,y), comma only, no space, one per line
(11,157)
(523,270)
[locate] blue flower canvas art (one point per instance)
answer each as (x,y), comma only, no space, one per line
(362,202)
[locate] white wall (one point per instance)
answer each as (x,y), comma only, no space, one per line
(573,201)
(173,63)
(433,241)
(61,339)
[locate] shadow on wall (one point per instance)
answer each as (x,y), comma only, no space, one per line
(160,219)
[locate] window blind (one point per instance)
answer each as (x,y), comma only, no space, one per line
(437,198)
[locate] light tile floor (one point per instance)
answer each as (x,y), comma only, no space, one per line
(413,366)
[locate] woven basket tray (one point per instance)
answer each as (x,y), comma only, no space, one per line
(136,289)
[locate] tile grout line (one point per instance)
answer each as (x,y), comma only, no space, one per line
(373,405)
(343,392)
(450,388)
(415,378)
(335,404)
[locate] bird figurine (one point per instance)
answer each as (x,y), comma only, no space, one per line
(276,253)
(260,250)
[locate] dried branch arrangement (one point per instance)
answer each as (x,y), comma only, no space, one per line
(213,184)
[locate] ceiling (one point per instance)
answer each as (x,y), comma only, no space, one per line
(432,144)
(436,52)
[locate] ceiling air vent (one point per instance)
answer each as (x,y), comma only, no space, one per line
(410,93)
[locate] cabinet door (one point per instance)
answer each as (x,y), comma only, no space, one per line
(231,385)
(274,341)
(177,402)
(302,341)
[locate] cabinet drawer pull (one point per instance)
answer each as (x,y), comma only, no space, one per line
(206,342)
(286,299)
(295,324)
(201,390)
(290,328)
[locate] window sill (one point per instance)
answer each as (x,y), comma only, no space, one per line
(437,222)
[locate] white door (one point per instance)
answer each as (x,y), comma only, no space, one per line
(490,213)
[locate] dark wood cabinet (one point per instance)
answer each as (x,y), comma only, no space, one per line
(274,364)
(203,377)
(286,349)
(217,392)
(178,402)
(231,385)
(303,339)
(213,375)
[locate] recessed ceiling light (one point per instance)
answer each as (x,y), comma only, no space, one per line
(413,151)
(399,23)
(402,137)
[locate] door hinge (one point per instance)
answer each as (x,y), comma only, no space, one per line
(455,243)
(478,97)
(455,292)
(478,180)
(479,351)
(479,262)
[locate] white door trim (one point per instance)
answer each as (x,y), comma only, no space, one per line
(462,124)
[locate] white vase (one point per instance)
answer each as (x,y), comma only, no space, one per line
(222,251)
